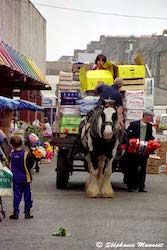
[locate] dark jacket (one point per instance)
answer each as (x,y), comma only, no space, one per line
(109,92)
(134,131)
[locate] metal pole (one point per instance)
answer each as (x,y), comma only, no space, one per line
(51,113)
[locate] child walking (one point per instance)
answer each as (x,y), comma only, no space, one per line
(21,163)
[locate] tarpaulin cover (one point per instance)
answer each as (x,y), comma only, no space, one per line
(26,105)
(8,103)
(19,104)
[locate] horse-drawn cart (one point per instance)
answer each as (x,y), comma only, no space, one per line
(71,158)
(71,153)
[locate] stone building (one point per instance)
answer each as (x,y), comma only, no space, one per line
(122,49)
(23,29)
(162,56)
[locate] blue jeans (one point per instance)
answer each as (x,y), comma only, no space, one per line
(20,189)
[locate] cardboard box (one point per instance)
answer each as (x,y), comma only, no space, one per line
(77,66)
(132,114)
(137,94)
(89,79)
(162,152)
(130,71)
(154,162)
(134,104)
(163,168)
(75,76)
(65,76)
(160,138)
(154,170)
(136,86)
(163,146)
(70,109)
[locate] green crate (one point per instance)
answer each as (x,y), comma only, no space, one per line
(70,120)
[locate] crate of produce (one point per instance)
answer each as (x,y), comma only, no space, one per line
(75,76)
(69,109)
(70,120)
(89,79)
(65,76)
(77,66)
(69,129)
(130,71)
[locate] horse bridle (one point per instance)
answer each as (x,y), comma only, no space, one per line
(108,123)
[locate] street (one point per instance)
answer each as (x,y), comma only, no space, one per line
(135,219)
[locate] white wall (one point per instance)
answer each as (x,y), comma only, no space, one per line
(24,28)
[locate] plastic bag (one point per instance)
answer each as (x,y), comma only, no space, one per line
(5,181)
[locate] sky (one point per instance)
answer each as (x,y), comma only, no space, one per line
(68,29)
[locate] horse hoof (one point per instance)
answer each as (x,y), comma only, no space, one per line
(92,194)
(108,195)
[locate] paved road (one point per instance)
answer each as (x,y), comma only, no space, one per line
(129,218)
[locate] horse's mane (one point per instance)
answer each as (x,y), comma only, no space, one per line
(94,121)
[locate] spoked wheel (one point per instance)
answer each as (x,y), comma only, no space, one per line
(62,172)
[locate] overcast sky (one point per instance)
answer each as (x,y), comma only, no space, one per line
(68,30)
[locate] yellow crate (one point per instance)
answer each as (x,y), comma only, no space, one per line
(89,79)
(130,71)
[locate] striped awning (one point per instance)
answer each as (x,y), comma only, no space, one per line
(23,70)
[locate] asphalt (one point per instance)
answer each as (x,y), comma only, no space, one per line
(129,221)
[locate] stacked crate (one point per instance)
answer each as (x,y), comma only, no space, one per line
(68,110)
(133,76)
(134,91)
(134,104)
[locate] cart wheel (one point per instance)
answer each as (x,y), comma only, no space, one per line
(62,172)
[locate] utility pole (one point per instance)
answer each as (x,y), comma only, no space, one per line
(129,51)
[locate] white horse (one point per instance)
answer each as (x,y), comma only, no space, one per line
(99,134)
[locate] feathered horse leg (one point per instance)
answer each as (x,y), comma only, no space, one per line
(106,190)
(101,164)
(92,185)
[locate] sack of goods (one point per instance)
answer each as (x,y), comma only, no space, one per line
(88,103)
(5,181)
(136,146)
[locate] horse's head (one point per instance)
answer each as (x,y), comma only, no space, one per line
(107,122)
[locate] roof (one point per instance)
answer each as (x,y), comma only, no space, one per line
(66,58)
(20,70)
